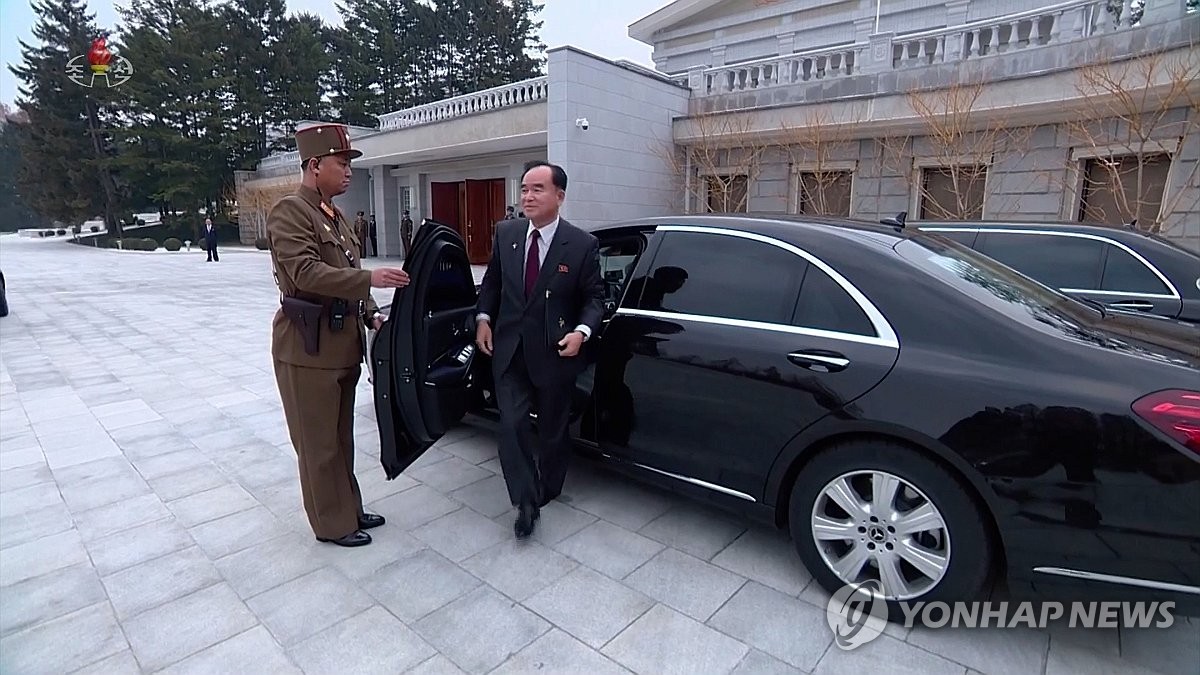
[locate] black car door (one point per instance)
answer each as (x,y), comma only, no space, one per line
(424,358)
(706,370)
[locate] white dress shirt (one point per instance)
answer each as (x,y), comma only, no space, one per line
(546,238)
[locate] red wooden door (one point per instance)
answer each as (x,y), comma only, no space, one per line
(444,206)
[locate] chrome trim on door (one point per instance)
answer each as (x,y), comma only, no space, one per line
(686,479)
(884,334)
(759,325)
(1078,235)
(1127,294)
(1136,305)
(1114,579)
(829,360)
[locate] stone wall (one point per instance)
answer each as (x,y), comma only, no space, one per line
(618,168)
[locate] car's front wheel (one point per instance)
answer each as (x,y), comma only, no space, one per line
(875,511)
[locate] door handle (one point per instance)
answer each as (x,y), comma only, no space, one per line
(830,361)
(1139,305)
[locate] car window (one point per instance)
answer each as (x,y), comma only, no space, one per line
(617,260)
(825,305)
(1056,261)
(1127,274)
(723,276)
(964,237)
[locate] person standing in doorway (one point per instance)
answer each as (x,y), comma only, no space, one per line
(406,232)
(360,228)
(210,241)
(540,300)
(318,335)
(373,232)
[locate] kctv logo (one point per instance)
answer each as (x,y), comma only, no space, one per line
(857,614)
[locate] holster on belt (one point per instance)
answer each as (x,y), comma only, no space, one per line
(306,317)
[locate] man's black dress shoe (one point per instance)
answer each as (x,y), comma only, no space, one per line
(526,517)
(356,538)
(368,520)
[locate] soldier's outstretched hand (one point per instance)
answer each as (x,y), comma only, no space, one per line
(389,277)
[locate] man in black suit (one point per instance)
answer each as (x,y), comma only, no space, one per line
(540,300)
(210,241)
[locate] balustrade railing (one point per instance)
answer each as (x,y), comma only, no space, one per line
(1058,23)
(518,93)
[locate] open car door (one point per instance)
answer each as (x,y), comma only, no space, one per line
(425,353)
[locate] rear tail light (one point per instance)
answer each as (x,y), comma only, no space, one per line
(1174,412)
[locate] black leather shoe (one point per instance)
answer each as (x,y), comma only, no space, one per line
(356,538)
(368,520)
(526,517)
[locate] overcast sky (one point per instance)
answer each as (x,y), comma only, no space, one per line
(597,27)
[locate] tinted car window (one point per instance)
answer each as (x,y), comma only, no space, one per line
(1058,262)
(824,305)
(965,238)
(617,259)
(723,276)
(1125,273)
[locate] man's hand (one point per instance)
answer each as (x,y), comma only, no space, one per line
(570,344)
(388,277)
(483,337)
(379,319)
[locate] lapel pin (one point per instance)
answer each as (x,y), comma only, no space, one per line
(514,245)
(562,269)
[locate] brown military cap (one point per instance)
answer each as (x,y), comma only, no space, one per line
(321,140)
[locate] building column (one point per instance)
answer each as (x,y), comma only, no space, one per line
(385,221)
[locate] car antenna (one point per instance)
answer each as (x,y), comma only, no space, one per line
(1132,225)
(898,221)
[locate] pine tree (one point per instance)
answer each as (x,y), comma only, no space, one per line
(299,62)
(67,170)
(15,212)
(177,140)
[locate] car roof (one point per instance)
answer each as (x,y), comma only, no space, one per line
(784,227)
(1122,233)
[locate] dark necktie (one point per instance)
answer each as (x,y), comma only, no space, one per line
(532,264)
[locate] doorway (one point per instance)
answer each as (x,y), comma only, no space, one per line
(472,207)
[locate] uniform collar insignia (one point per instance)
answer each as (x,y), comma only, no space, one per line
(327,210)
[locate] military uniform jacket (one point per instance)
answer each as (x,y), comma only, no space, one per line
(316,258)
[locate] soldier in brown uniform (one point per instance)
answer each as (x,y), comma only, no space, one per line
(319,333)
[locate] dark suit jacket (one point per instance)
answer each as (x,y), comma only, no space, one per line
(210,238)
(569,292)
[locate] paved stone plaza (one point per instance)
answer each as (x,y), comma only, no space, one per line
(151,521)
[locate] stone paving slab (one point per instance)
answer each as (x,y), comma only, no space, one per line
(150,521)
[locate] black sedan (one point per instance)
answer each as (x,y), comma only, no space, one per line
(1122,268)
(911,411)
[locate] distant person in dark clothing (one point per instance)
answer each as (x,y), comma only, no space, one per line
(374,232)
(210,240)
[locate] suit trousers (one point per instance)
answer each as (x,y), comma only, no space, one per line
(534,462)
(318,405)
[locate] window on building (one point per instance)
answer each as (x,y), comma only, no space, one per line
(823,193)
(1118,189)
(953,193)
(723,276)
(728,194)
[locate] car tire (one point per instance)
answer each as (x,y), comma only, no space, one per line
(957,540)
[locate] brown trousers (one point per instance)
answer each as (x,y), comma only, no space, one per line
(318,405)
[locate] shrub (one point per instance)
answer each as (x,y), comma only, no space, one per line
(261,244)
(95,228)
(61,232)
(149,244)
(47,233)
(172,244)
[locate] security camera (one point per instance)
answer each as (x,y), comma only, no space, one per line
(582,123)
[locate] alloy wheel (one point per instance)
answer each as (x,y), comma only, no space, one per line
(876,525)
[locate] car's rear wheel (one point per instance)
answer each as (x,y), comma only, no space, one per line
(876,511)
